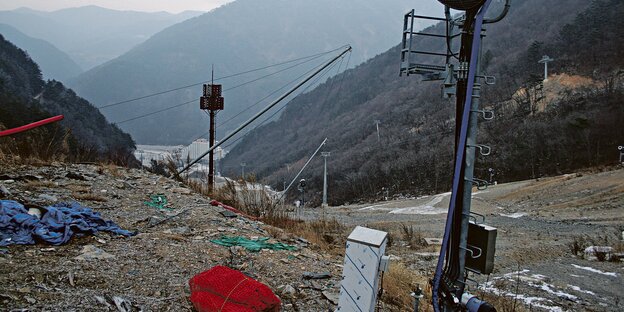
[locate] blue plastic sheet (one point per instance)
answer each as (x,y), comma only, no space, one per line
(56,226)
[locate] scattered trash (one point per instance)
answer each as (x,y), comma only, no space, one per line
(225,289)
(433,241)
(228,214)
(90,252)
(122,304)
(35,212)
(312,275)
(251,245)
(159,202)
(154,221)
(56,226)
(232,209)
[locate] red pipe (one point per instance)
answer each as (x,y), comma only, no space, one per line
(31,125)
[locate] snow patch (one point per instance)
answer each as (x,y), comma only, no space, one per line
(514,215)
(576,288)
(590,269)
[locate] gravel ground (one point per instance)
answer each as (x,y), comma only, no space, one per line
(150,270)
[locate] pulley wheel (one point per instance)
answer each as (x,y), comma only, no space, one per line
(463,5)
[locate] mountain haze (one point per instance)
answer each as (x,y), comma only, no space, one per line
(91,35)
(54,63)
(238,36)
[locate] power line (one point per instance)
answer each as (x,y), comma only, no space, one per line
(284,106)
(234,87)
(220,78)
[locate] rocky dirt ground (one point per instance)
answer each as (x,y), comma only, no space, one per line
(149,271)
(538,222)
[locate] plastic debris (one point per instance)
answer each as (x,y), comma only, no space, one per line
(159,202)
(313,275)
(254,245)
(226,290)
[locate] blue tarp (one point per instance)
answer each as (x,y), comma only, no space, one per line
(57,225)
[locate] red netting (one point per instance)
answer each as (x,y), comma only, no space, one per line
(222,289)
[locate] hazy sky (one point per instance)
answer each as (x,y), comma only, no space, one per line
(173,6)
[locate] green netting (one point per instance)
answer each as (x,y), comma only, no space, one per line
(251,244)
(158,201)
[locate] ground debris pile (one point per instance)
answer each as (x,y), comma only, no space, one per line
(149,271)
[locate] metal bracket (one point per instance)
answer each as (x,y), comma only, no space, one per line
(472,253)
(481,184)
(487,114)
(483,149)
(489,80)
(475,218)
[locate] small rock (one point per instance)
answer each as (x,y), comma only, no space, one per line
(4,192)
(30,299)
(228,214)
(181,190)
(332,297)
(49,198)
(75,176)
(8,181)
(51,249)
(90,252)
(103,301)
(288,291)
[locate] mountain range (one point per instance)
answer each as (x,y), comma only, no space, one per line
(236,37)
(91,35)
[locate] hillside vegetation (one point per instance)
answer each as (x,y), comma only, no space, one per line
(535,133)
(84,134)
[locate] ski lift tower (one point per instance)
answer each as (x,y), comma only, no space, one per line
(468,245)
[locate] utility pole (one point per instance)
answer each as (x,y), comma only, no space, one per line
(212,101)
(545,60)
(377,121)
(243,169)
(325,155)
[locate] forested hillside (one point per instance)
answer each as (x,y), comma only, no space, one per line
(539,129)
(84,134)
(54,63)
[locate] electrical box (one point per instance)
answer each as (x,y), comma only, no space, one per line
(482,246)
(360,277)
